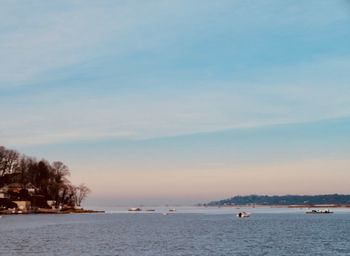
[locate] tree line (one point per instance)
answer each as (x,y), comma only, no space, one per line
(49,179)
(284,200)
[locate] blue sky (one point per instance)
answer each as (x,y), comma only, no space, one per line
(134,89)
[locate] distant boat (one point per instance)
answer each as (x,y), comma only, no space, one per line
(243,215)
(150,210)
(135,209)
(326,211)
(172,210)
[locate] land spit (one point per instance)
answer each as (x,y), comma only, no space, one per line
(47,211)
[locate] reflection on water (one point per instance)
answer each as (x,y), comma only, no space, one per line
(189,231)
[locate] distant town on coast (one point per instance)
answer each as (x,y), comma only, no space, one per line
(31,186)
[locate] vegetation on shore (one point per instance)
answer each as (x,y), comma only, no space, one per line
(28,183)
(331,199)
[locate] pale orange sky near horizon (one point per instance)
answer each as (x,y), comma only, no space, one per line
(307,158)
(185,186)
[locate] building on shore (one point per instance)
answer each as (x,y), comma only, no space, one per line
(23,205)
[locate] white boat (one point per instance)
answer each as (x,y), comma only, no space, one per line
(243,215)
(326,211)
(134,209)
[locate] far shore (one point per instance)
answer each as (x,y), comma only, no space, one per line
(283,206)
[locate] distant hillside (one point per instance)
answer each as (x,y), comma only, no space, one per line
(283,200)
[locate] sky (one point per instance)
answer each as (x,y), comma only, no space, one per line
(180,102)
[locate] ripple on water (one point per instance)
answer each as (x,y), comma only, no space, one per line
(175,234)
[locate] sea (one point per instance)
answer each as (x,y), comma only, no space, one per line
(187,231)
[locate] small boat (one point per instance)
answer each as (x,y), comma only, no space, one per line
(150,210)
(326,211)
(243,215)
(172,210)
(135,209)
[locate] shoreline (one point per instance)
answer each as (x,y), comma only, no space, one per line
(47,211)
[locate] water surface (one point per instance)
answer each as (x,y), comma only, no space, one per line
(189,231)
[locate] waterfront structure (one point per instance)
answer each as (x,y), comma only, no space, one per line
(23,205)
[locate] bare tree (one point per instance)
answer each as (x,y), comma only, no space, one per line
(9,161)
(64,195)
(25,163)
(80,194)
(60,171)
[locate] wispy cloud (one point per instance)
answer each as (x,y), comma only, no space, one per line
(170,112)
(167,68)
(39,38)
